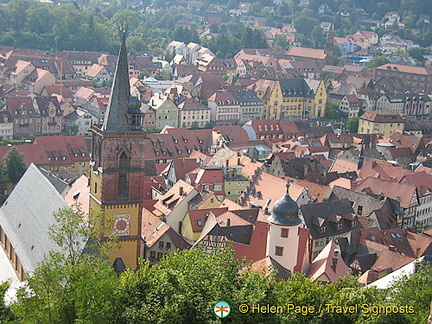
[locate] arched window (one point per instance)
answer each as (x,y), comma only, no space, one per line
(123,161)
(122,185)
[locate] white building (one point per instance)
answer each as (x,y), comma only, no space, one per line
(287,242)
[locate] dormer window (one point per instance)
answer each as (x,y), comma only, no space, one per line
(322,229)
(339,226)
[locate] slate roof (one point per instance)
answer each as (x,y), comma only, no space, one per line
(368,203)
(329,214)
(240,234)
(245,96)
(27,215)
(61,186)
(115,116)
(295,88)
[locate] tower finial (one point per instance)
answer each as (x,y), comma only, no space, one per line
(287,186)
(124,27)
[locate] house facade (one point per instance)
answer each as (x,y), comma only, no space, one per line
(251,107)
(380,122)
(225,109)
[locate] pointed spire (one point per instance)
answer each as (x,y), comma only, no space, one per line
(116,114)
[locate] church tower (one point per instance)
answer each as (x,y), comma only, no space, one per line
(287,242)
(118,164)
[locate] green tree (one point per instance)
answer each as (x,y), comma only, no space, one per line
(72,287)
(352,124)
(121,16)
(15,165)
(417,53)
(415,291)
(378,61)
(5,311)
(333,112)
(305,25)
(164,75)
(41,20)
(283,9)
(165,293)
(280,43)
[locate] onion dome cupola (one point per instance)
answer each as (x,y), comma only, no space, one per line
(285,211)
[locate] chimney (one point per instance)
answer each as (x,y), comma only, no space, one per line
(180,228)
(266,206)
(259,195)
(228,222)
(227,162)
(181,192)
(418,253)
(335,259)
(238,161)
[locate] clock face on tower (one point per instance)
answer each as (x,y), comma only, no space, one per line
(122,224)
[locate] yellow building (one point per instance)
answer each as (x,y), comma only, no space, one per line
(195,219)
(318,108)
(291,98)
(264,91)
(380,122)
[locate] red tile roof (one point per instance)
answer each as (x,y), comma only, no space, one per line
(321,267)
(196,215)
(390,189)
(32,154)
(64,149)
(405,69)
(184,166)
(235,134)
(421,180)
(313,53)
(209,177)
(382,117)
(390,261)
(382,170)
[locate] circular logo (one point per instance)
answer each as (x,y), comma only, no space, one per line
(121,225)
(222,309)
